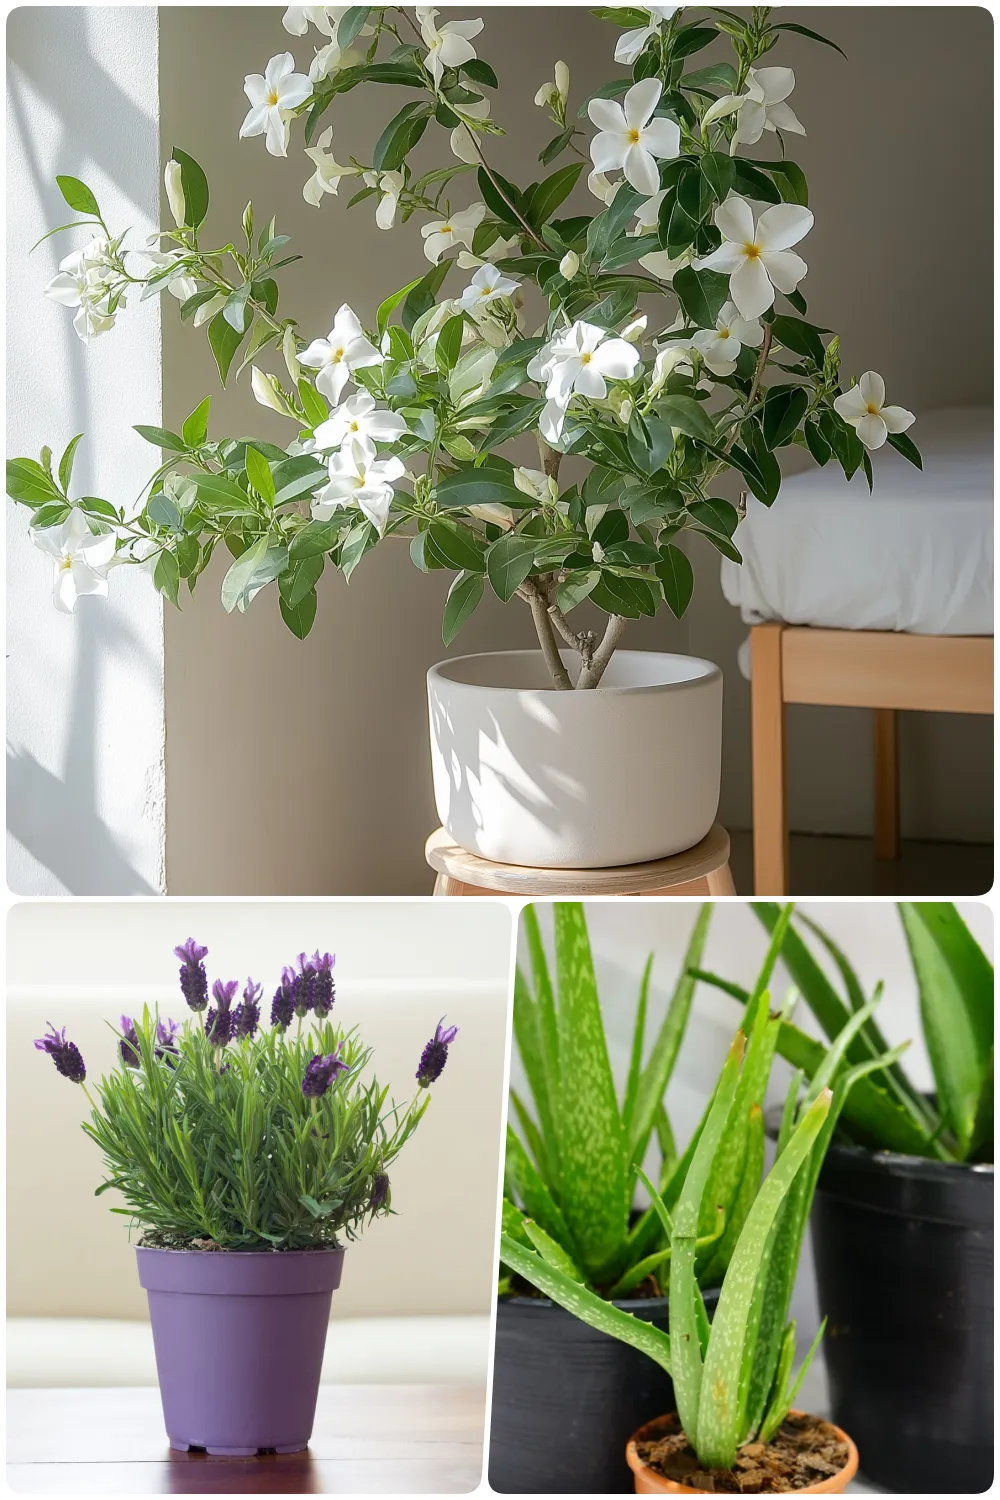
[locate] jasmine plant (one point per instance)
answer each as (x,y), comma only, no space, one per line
(219,1132)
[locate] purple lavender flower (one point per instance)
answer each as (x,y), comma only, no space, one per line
(304,986)
(380,1191)
(194,981)
(283,1004)
(65,1055)
(435,1054)
(166,1034)
(323,991)
(129,1044)
(320,1073)
(219,1021)
(247,1017)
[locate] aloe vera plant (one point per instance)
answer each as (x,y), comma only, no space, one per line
(573,1162)
(954,979)
(733,1377)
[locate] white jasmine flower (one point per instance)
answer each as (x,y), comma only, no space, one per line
(298,18)
(359,478)
(81,559)
(326,177)
(330,59)
(443,234)
(764,106)
(499,250)
(602,187)
(659,263)
(632,43)
(569,265)
(625,409)
(673,355)
(728,104)
(179,284)
(462,142)
(633,332)
(389,185)
(486,286)
(494,513)
(722,345)
(631,137)
(428,326)
(273,96)
(175,192)
(289,351)
(578,362)
(449,44)
(536,483)
(863,408)
(337,357)
(556,91)
(358,418)
(83,283)
(757,257)
(267,392)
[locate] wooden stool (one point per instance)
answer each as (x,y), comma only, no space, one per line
(703,870)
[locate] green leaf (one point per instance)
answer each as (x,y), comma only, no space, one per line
(676,574)
(195,428)
(611,223)
(576,587)
(556,146)
(388,307)
(955,983)
(508,563)
(161,438)
(28,482)
(318,537)
(812,35)
(650,441)
(299,617)
(784,408)
(195,187)
(688,415)
(78,195)
(66,462)
(907,448)
(546,196)
(166,576)
(259,474)
(463,598)
(719,172)
(300,579)
(258,565)
(480,72)
(701,294)
(801,337)
(635,1061)
(532,1192)
(295,477)
(420,298)
(456,546)
(449,344)
(224,341)
(500,196)
(351,23)
(400,135)
(313,405)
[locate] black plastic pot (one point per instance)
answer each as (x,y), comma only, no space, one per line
(904,1268)
(566,1399)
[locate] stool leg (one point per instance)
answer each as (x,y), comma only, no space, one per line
(720,882)
(697,887)
(770,818)
(886,780)
(446,885)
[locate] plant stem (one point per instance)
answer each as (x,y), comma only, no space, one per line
(536,598)
(591,675)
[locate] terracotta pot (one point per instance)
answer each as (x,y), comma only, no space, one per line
(649,1482)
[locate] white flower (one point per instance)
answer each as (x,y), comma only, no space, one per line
(487,286)
(493,512)
(721,346)
(499,250)
(358,418)
(297,19)
(175,192)
(555,91)
(289,352)
(81,559)
(330,59)
(630,137)
(389,185)
(449,44)
(632,43)
(764,106)
(428,326)
(757,258)
(536,483)
(267,392)
(863,408)
(179,283)
(326,177)
(562,81)
(359,478)
(602,187)
(671,356)
(83,282)
(577,362)
(569,265)
(443,234)
(337,357)
(206,311)
(659,263)
(273,96)
(462,143)
(633,331)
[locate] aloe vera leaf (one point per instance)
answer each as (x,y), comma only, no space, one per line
(981,1141)
(531,1135)
(592,1179)
(586,1305)
(686,1341)
(796,1386)
(655,1076)
(638,1040)
(638,1273)
(714,1266)
(837,1052)
(544,998)
(772,1421)
(779,932)
(730,1353)
(788,1111)
(955,983)
(528,1036)
(666,1142)
(536,1200)
(553,1252)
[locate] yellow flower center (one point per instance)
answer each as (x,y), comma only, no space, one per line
(336,356)
(723,333)
(634,137)
(66,564)
(355,427)
(446,229)
(272,98)
(871,409)
(585,359)
(752,252)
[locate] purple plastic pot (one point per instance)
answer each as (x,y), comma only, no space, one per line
(239,1339)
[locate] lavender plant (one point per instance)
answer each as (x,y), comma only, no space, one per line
(220,1133)
(661,339)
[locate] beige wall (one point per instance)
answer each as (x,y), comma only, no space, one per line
(399,966)
(302,767)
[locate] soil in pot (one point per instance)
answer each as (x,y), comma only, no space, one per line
(804,1452)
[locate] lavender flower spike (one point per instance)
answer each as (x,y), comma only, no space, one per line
(320,1073)
(435,1054)
(283,1004)
(194,981)
(380,1191)
(65,1055)
(247,1017)
(304,986)
(219,1021)
(166,1034)
(323,991)
(129,1044)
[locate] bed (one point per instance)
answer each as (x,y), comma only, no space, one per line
(881,601)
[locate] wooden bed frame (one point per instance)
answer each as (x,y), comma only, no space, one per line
(882,670)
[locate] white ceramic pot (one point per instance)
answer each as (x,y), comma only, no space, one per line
(528,775)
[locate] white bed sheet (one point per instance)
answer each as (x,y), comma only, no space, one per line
(915,555)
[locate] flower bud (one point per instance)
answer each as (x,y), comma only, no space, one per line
(291,358)
(569,265)
(547,94)
(175,192)
(267,391)
(562,81)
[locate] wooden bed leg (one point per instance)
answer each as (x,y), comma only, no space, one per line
(770,818)
(886,782)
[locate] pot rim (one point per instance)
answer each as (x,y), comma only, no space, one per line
(711,673)
(825,1486)
(901,1163)
(243,1254)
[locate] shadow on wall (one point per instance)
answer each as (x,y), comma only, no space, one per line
(54,816)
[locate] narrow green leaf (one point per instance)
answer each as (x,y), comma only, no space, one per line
(635,1061)
(161,438)
(259,474)
(532,1193)
(66,462)
(551,1251)
(463,599)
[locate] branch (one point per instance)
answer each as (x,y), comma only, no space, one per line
(592,674)
(543,629)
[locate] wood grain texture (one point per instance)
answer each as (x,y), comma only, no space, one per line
(885,779)
(366,1440)
(680,874)
(767,734)
(887,669)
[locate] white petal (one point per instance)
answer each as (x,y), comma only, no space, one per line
(255,122)
(608,115)
(662,137)
(295,91)
(785,268)
(276,138)
(871,388)
(552,420)
(775,84)
(87,580)
(727,259)
(315,355)
(641,170)
(617,359)
(851,406)
(64,590)
(640,101)
(255,88)
(750,126)
(872,431)
(751,290)
(607,152)
(278,68)
(897,418)
(631,43)
(782,225)
(331,380)
(734,219)
(783,117)
(590,382)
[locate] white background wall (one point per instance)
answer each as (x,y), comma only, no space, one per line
(85,698)
(399,967)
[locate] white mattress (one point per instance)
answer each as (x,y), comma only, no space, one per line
(917,554)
